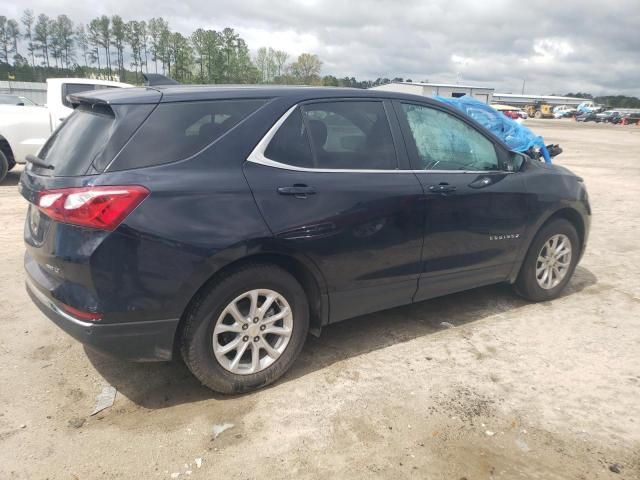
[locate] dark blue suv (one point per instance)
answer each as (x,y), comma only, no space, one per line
(224,224)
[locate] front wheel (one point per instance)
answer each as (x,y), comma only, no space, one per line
(246,329)
(550,262)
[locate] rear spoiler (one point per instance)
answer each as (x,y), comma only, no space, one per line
(155,79)
(75,100)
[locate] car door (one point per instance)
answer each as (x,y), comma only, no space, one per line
(475,209)
(333,183)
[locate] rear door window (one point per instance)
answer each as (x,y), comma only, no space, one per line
(347,135)
(176,131)
(290,144)
(352,135)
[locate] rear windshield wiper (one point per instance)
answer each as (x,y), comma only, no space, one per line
(38,162)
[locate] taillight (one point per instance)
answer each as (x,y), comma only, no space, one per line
(103,207)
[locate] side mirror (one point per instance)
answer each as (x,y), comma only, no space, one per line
(516,162)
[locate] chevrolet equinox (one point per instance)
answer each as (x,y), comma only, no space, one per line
(224,224)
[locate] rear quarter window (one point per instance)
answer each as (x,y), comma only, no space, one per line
(176,131)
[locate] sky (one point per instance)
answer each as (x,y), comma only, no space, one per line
(553,46)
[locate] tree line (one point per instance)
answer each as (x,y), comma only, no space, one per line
(110,47)
(34,48)
(38,47)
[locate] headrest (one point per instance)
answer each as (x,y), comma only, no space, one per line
(318,132)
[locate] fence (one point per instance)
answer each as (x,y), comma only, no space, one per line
(34,91)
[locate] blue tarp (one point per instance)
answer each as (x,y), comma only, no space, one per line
(518,137)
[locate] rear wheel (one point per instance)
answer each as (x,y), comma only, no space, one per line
(4,166)
(246,330)
(550,262)
(538,114)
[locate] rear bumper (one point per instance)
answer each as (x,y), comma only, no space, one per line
(135,341)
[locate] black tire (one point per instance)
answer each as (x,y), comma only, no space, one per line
(527,285)
(4,166)
(196,342)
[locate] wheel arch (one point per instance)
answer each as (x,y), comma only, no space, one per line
(573,217)
(309,277)
(570,214)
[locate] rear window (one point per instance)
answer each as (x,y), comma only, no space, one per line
(78,141)
(176,131)
(88,140)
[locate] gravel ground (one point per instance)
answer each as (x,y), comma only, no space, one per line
(514,390)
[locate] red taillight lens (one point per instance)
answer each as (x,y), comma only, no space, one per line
(103,207)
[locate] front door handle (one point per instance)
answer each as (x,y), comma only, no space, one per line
(442,188)
(300,191)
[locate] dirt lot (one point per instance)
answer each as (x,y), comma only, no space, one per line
(515,390)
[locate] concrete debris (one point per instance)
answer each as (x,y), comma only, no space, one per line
(76,422)
(106,399)
(615,468)
(218,429)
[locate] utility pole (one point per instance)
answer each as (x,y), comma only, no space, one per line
(523,82)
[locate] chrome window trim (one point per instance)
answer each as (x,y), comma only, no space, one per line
(257,156)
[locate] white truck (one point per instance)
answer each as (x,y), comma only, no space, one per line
(24,129)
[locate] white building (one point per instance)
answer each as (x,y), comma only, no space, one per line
(484,94)
(524,99)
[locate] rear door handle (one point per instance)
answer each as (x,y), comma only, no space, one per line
(442,188)
(300,191)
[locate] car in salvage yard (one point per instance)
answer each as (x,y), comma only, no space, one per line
(225,224)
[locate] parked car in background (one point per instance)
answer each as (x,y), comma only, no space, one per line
(225,224)
(587,117)
(514,113)
(607,116)
(24,129)
(589,106)
(6,99)
(563,111)
(626,118)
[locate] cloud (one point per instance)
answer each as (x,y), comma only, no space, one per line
(554,46)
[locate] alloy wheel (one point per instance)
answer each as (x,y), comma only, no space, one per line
(553,261)
(252,331)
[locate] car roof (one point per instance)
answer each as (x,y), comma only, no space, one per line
(184,93)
